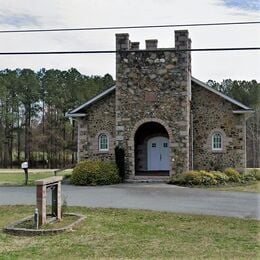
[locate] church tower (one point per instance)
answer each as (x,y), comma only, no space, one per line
(153,94)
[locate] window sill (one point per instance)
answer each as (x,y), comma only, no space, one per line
(218,151)
(103,151)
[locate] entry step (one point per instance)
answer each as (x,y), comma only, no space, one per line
(148,179)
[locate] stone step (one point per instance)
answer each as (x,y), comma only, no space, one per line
(148,179)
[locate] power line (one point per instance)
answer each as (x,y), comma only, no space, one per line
(127,51)
(128,27)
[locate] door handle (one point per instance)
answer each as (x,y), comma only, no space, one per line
(160,157)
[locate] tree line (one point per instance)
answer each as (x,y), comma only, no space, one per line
(33,105)
(33,125)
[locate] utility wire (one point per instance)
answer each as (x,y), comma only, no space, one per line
(128,51)
(127,27)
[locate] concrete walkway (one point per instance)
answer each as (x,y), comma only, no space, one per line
(160,197)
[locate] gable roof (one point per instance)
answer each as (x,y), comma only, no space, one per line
(75,112)
(204,85)
(243,109)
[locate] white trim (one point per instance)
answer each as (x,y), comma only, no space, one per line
(243,111)
(75,115)
(92,100)
(202,84)
(221,141)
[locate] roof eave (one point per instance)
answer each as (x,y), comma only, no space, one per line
(75,115)
(92,100)
(243,111)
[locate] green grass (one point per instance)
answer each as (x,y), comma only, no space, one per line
(249,187)
(17,178)
(116,233)
(66,220)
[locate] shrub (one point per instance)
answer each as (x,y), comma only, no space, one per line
(251,175)
(178,179)
(95,173)
(192,178)
(207,178)
(233,175)
(255,173)
(220,177)
(120,161)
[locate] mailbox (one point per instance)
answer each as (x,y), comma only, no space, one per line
(24,165)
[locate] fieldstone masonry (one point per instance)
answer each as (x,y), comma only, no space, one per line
(100,118)
(162,79)
(212,113)
(156,86)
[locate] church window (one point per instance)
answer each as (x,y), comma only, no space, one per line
(217,141)
(103,142)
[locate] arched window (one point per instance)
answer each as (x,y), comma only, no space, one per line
(217,142)
(103,142)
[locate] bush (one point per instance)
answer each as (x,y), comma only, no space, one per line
(233,175)
(192,178)
(178,179)
(205,178)
(220,177)
(251,175)
(95,173)
(120,161)
(254,173)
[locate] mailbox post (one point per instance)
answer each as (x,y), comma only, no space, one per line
(24,166)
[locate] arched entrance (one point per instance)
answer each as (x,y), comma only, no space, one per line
(152,154)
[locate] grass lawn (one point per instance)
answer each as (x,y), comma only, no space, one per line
(251,187)
(116,233)
(16,177)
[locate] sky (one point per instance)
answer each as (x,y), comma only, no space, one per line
(36,14)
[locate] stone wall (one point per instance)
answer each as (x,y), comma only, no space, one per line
(156,87)
(100,118)
(153,86)
(212,113)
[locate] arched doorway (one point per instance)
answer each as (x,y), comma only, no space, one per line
(152,154)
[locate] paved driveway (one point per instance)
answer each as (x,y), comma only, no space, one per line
(160,197)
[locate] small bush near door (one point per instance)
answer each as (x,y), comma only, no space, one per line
(91,172)
(120,161)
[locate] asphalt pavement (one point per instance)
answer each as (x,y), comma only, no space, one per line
(158,197)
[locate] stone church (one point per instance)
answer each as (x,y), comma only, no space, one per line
(167,121)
